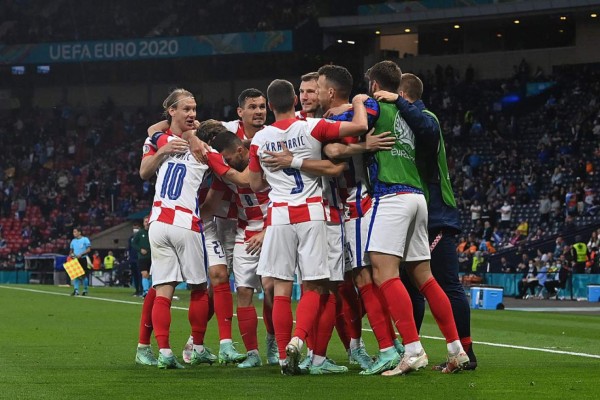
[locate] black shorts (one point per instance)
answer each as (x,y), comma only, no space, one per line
(144,264)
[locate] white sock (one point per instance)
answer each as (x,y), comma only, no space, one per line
(225,341)
(454,347)
(387,349)
(309,353)
(300,342)
(190,340)
(317,360)
(354,343)
(255,352)
(413,348)
(143,346)
(199,348)
(166,352)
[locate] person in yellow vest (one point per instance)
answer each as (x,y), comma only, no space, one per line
(580,254)
(109,264)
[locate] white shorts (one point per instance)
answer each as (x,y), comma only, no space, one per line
(285,246)
(335,251)
(178,254)
(214,249)
(357,231)
(244,267)
(226,231)
(398,226)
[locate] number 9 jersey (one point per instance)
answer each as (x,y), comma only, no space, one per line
(295,196)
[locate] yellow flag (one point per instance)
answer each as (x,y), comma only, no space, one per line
(74,269)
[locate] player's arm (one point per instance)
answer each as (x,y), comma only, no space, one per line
(151,162)
(258,183)
(285,159)
(359,124)
(222,170)
(372,143)
(207,210)
(161,126)
(239,179)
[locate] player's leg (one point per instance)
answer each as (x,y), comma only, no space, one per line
(144,354)
(247,281)
(268,287)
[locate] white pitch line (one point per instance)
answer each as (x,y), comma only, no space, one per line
(507,346)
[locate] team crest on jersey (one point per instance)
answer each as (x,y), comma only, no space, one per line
(403,133)
(146,149)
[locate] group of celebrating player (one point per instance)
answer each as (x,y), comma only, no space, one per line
(338,201)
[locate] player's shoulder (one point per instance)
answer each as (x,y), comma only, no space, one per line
(231,126)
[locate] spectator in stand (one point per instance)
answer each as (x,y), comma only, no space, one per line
(594,239)
(505,215)
(523,228)
(545,209)
(559,246)
(506,267)
(2,242)
(475,212)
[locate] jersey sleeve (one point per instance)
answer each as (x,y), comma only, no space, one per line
(372,107)
(324,130)
(148,149)
(254,163)
(217,164)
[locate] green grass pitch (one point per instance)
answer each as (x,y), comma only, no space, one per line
(53,346)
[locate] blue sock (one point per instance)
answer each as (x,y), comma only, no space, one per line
(76,284)
(85,283)
(145,284)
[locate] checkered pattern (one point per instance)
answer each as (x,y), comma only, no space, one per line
(74,268)
(235,127)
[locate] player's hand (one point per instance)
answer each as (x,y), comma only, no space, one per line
(388,97)
(199,150)
(278,160)
(175,146)
(337,110)
(254,245)
(360,98)
(383,141)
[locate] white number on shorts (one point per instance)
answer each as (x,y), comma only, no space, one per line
(297,177)
(173,182)
(218,249)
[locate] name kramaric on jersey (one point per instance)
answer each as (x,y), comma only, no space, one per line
(289,143)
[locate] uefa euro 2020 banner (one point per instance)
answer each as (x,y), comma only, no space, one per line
(147,48)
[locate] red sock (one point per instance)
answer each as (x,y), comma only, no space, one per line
(223,309)
(248,324)
(386,311)
(325,323)
(268,318)
(198,314)
(466,343)
(283,322)
(211,307)
(341,325)
(306,313)
(161,321)
(440,308)
(377,316)
(352,309)
(146,319)
(400,308)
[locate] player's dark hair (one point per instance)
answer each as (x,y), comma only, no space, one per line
(209,129)
(311,76)
(338,77)
(281,95)
(250,93)
(387,74)
(412,86)
(226,140)
(172,99)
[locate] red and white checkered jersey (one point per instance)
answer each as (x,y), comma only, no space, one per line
(149,149)
(334,208)
(295,195)
(352,186)
(176,198)
(236,127)
(251,211)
